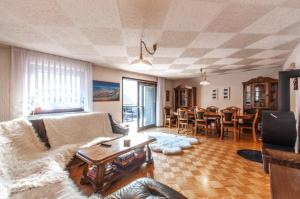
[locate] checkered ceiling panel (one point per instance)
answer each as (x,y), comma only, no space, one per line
(222,36)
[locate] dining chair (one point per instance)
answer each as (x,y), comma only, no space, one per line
(229,123)
(234,109)
(168,117)
(212,109)
(249,123)
(213,122)
(182,119)
(200,120)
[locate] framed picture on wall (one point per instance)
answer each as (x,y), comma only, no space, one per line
(214,94)
(105,91)
(167,95)
(226,93)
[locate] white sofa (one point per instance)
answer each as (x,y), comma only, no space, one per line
(33,160)
(28,169)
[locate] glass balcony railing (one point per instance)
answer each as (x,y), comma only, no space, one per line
(130,113)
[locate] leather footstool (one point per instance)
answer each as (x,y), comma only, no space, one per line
(146,188)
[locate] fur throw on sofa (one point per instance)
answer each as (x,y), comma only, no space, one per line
(77,128)
(28,169)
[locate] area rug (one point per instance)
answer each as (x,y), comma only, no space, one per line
(170,144)
(252,155)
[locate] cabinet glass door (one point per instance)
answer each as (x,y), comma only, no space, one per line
(182,98)
(248,95)
(259,96)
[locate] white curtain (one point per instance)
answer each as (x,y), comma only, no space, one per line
(48,82)
(160,102)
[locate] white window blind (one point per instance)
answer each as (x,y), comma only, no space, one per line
(43,82)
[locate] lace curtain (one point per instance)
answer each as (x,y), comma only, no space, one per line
(47,82)
(161,99)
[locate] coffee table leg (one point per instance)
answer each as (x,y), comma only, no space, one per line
(149,155)
(83,179)
(100,178)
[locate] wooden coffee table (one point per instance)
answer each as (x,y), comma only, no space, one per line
(100,156)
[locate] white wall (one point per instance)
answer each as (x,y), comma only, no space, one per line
(4,82)
(113,75)
(170,86)
(295,101)
(234,81)
(295,95)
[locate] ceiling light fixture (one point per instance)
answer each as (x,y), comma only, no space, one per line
(141,63)
(203,81)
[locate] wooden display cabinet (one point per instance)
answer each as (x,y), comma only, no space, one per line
(260,93)
(185,96)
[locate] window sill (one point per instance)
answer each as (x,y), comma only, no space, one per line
(60,112)
(53,111)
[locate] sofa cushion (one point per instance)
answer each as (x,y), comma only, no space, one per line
(116,127)
(146,188)
(79,128)
(39,127)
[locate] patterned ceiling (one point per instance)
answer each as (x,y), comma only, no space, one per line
(222,36)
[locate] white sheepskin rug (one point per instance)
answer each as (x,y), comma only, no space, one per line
(171,144)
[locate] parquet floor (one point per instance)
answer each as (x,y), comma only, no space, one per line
(211,169)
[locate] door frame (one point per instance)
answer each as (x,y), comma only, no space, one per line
(138,94)
(139,128)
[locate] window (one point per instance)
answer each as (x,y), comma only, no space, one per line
(51,83)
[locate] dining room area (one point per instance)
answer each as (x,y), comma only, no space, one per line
(231,120)
(211,121)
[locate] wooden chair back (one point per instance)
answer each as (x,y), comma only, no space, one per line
(212,109)
(228,116)
(167,111)
(182,114)
(235,109)
(200,114)
(193,108)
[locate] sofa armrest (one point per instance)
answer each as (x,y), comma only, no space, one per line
(281,157)
(117,128)
(146,188)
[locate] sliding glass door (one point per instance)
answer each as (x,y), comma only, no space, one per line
(139,103)
(147,105)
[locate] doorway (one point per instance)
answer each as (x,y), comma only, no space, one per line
(139,103)
(147,105)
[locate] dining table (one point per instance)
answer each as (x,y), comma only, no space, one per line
(215,116)
(212,116)
(218,115)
